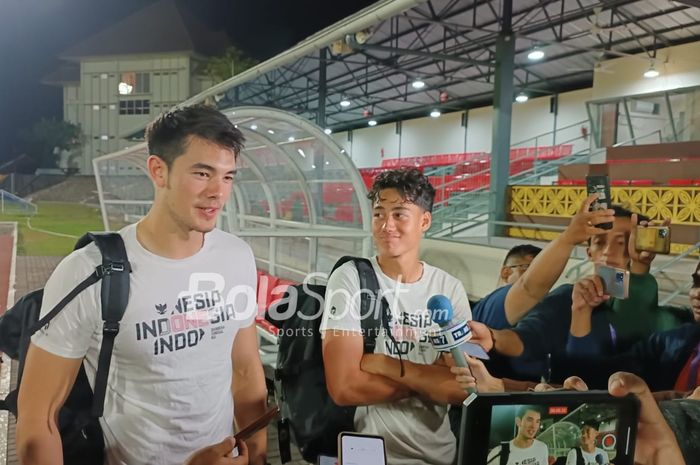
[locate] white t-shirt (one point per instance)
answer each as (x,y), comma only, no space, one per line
(415,431)
(536,454)
(588,457)
(169,386)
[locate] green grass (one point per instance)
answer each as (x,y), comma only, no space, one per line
(64,218)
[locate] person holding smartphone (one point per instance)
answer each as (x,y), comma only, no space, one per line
(576,320)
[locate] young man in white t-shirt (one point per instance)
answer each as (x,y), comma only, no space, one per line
(409,411)
(589,453)
(186,352)
(523,449)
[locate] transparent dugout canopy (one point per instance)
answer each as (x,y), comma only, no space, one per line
(297,199)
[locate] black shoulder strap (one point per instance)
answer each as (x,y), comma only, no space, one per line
(505,452)
(579,457)
(372,321)
(115,271)
(368,300)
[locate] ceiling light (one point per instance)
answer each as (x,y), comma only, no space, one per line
(521,97)
(345,103)
(535,54)
(328,131)
(435,114)
(254,127)
(301,152)
(651,72)
(270,131)
(313,167)
(418,84)
(328,163)
(372,122)
(291,139)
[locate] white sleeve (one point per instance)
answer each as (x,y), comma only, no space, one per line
(495,452)
(460,303)
(571,457)
(342,301)
(68,335)
(250,285)
(545,454)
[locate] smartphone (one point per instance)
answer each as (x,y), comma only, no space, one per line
(615,280)
(258,424)
(326,460)
(600,185)
(655,239)
(552,421)
(360,449)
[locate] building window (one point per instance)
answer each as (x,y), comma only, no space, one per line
(134,83)
(135,107)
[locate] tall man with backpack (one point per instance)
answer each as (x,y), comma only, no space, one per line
(402,387)
(186,351)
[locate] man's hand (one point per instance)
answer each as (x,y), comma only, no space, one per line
(476,376)
(588,293)
(481,334)
(572,383)
(220,454)
(640,261)
(656,442)
(584,223)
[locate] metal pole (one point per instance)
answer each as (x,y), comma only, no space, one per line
(502,110)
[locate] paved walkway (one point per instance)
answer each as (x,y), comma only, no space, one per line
(32,273)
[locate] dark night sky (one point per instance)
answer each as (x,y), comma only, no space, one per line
(34,32)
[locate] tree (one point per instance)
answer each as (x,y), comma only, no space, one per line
(47,138)
(232,62)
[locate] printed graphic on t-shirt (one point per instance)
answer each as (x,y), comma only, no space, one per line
(409,330)
(191,319)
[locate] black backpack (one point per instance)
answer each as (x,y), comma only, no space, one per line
(307,408)
(78,419)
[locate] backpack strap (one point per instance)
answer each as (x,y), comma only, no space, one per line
(370,321)
(579,456)
(505,452)
(114,270)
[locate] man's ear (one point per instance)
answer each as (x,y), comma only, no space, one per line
(505,273)
(588,252)
(426,221)
(157,171)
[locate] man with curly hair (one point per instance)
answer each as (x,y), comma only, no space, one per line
(403,388)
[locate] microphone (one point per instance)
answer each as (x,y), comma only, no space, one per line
(452,335)
(599,459)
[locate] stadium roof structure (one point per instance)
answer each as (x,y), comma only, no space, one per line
(370,60)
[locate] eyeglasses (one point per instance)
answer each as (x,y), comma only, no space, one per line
(523,266)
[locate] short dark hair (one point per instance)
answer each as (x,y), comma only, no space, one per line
(411,183)
(522,251)
(523,409)
(169,134)
(624,212)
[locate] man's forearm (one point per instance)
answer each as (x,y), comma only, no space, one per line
(433,382)
(38,446)
(368,389)
(250,401)
(507,342)
(538,280)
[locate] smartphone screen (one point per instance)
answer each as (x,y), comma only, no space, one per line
(545,428)
(357,449)
(326,460)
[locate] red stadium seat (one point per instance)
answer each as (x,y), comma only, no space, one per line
(641,182)
(680,182)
